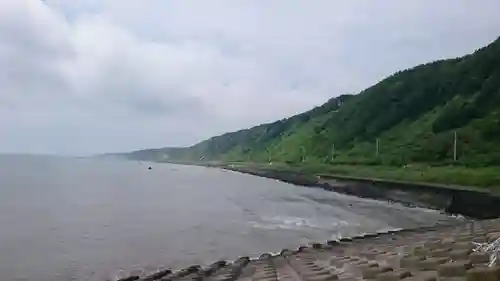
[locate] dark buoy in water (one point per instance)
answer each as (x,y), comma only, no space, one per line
(149,168)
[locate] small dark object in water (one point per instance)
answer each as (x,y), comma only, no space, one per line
(149,168)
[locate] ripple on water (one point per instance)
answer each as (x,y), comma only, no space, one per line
(298,223)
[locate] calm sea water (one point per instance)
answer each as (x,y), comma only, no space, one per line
(81,219)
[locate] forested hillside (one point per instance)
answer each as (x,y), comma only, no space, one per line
(412,115)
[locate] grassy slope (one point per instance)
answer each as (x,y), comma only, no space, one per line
(413,114)
(483,177)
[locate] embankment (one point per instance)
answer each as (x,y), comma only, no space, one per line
(451,199)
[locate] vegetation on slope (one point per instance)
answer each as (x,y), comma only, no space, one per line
(412,115)
(461,177)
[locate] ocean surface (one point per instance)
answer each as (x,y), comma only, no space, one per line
(88,219)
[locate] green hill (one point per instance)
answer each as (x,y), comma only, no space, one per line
(412,115)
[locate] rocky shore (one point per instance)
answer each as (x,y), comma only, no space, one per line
(464,201)
(440,252)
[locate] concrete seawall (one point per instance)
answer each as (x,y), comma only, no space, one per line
(454,200)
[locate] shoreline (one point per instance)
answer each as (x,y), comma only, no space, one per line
(479,179)
(341,174)
(471,203)
(242,261)
(413,252)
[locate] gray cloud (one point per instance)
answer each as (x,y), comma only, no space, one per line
(86,76)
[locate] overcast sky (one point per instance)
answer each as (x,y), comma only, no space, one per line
(90,76)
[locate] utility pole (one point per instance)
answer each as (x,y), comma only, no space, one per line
(455,146)
(333,151)
(376,147)
(303,154)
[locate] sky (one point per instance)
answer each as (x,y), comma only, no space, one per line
(79,77)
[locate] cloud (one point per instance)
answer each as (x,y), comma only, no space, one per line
(86,76)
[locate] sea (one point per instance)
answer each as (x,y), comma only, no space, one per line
(66,218)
